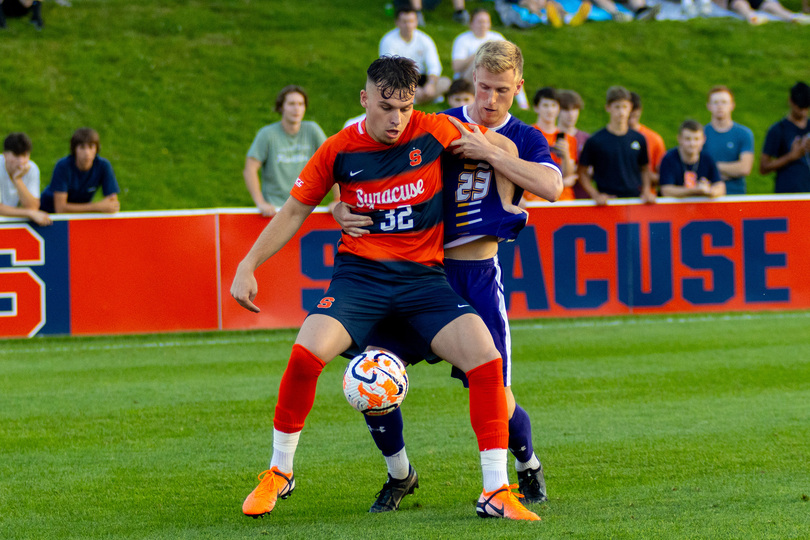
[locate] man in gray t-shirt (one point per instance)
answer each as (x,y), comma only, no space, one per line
(280,151)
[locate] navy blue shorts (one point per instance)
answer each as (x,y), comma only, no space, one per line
(364,293)
(480,284)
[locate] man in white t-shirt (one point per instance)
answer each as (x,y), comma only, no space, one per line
(19,181)
(466,44)
(407,41)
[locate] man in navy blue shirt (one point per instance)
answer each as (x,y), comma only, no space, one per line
(787,145)
(76,179)
(687,170)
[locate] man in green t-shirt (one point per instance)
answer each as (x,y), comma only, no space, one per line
(280,151)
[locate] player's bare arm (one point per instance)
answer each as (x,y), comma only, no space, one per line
(535,178)
(275,236)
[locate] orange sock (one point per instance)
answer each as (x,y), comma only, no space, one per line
(296,395)
(488,413)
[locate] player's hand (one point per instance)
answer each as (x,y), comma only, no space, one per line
(351,223)
(472,144)
(245,288)
(266,209)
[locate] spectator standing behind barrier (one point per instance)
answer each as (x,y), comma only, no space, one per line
(655,143)
(618,156)
(19,181)
(407,41)
(280,151)
(571,105)
(787,145)
(76,179)
(730,144)
(687,170)
(20,8)
(563,146)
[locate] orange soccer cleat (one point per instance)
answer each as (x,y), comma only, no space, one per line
(502,503)
(273,484)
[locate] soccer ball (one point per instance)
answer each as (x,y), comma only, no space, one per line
(375,382)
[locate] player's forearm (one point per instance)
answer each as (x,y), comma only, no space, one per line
(535,178)
(277,233)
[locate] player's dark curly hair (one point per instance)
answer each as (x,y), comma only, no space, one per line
(394,75)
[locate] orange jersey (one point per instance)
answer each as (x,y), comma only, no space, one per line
(655,146)
(551,138)
(399,186)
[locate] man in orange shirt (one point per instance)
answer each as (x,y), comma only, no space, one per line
(655,143)
(563,146)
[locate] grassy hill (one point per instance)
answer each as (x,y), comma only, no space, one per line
(178,88)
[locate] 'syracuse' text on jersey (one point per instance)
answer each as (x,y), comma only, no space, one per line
(472,205)
(399,186)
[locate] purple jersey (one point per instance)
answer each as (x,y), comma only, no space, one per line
(472,206)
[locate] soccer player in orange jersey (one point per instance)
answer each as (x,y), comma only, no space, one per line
(387,166)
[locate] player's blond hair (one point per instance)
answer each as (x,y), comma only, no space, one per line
(500,56)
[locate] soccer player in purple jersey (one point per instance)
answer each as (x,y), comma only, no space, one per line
(480,211)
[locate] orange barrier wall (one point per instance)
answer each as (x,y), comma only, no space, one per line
(171,271)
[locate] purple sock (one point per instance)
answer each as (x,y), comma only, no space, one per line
(386,430)
(520,435)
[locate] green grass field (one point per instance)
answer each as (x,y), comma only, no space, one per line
(178,88)
(649,427)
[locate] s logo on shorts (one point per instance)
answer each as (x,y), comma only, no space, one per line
(326,302)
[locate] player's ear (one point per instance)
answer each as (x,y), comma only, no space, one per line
(364,99)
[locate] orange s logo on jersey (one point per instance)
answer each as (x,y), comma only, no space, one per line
(326,302)
(416,157)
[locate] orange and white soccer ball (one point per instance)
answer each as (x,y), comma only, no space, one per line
(375,382)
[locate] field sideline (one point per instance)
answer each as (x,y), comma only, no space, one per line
(649,427)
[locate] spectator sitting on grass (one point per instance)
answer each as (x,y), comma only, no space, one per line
(76,179)
(407,41)
(21,8)
(641,11)
(19,181)
(466,44)
(688,171)
(752,10)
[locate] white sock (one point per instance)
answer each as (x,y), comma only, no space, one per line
(284,445)
(398,465)
(533,463)
(493,466)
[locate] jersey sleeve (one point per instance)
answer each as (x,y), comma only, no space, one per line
(317,177)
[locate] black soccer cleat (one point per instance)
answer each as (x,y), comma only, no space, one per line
(393,491)
(532,485)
